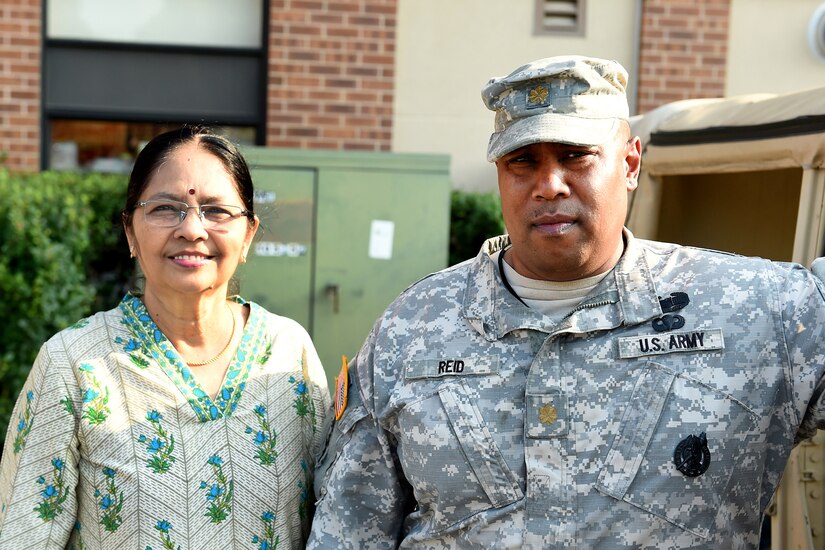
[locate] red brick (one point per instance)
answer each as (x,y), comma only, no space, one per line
(287,93)
(340,82)
(326,18)
(324,69)
(376,85)
(343,6)
(288,68)
(304,132)
(362,46)
(342,57)
(362,96)
(303,82)
(303,55)
(309,30)
(326,95)
(339,108)
(320,120)
(378,59)
(364,21)
(304,107)
(360,70)
(389,8)
(322,144)
(690,11)
(338,132)
(306,5)
(342,31)
(360,121)
(681,35)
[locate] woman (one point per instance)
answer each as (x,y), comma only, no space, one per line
(182,418)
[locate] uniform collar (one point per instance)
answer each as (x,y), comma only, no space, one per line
(629,290)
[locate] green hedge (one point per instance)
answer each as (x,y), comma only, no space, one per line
(474,217)
(63,255)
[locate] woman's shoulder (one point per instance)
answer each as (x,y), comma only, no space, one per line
(85,331)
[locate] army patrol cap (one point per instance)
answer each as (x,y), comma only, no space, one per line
(566,99)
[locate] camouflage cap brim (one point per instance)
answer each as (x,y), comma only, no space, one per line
(551,127)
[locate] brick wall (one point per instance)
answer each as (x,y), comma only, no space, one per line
(331,74)
(684,47)
(20,48)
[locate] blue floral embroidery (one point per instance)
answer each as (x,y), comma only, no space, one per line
(268,541)
(161,447)
(304,406)
(24,425)
(163,527)
(53,493)
(265,438)
(134,349)
(68,404)
(219,494)
(78,538)
(95,398)
(110,502)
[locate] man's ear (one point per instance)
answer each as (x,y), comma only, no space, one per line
(633,162)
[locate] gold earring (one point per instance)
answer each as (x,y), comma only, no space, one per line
(131,251)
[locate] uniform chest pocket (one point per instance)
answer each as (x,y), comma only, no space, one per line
(664,409)
(450,458)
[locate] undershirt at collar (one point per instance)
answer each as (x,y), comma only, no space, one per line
(552,298)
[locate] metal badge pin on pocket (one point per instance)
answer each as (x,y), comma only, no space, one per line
(674,302)
(692,456)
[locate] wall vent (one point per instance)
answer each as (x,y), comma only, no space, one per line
(560,17)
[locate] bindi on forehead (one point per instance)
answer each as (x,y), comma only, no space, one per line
(191,191)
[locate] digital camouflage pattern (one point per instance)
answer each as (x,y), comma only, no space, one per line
(475,422)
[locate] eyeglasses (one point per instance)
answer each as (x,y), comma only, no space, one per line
(169,213)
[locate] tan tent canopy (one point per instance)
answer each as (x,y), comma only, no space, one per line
(745,133)
(744,174)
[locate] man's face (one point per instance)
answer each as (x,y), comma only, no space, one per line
(564,205)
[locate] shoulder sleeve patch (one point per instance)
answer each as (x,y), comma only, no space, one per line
(341,387)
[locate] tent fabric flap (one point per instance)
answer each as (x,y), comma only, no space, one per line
(744,133)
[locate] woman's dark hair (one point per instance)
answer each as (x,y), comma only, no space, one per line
(158,150)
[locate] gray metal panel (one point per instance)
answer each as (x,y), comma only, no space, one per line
(193,85)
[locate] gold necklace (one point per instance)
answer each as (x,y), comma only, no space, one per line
(226,347)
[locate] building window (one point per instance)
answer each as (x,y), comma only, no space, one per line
(118,72)
(206,23)
(111,146)
(560,17)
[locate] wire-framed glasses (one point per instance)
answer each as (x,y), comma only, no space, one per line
(169,213)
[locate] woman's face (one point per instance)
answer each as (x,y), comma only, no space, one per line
(190,259)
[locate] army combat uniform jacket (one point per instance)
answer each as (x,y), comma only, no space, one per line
(659,414)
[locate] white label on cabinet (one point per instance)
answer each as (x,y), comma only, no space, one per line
(381,233)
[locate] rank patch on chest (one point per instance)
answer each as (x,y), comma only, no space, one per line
(674,342)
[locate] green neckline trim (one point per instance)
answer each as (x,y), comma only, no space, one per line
(154,344)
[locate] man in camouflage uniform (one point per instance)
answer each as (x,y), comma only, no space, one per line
(572,386)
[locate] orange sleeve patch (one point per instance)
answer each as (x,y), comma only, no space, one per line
(341,387)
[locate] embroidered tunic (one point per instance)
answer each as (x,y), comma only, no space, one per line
(113,443)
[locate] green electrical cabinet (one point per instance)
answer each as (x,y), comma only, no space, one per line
(342,234)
